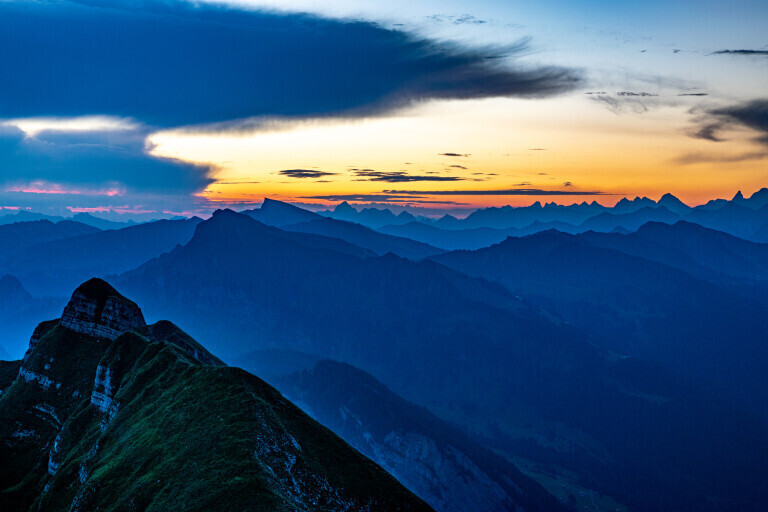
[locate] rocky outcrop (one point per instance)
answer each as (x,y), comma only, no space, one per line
(99,310)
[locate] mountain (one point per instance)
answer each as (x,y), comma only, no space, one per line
(700,251)
(27,216)
(53,268)
(19,313)
(371,217)
(448,239)
(733,218)
(367,238)
(98,222)
(278,213)
(520,217)
(292,218)
(673,204)
(82,218)
(534,387)
(437,461)
(756,201)
(101,415)
(634,306)
(607,222)
(21,235)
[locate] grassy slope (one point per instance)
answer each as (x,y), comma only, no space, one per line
(185,437)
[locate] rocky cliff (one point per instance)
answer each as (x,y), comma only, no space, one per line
(100,311)
(106,413)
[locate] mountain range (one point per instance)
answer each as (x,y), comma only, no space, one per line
(618,367)
(528,380)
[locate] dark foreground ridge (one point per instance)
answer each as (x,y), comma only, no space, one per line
(106,413)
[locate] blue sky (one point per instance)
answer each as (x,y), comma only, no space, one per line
(182,98)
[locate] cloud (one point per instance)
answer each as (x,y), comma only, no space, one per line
(398,176)
(463,155)
(499,192)
(171,64)
(753,53)
(305,173)
(567,184)
(465,19)
(383,197)
(751,114)
(92,169)
(458,166)
(700,158)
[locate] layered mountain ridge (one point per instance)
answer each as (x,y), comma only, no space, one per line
(107,413)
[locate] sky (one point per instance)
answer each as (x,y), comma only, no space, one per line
(172,107)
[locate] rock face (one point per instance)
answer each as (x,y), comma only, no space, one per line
(100,311)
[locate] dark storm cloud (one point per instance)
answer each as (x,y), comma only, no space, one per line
(171,64)
(305,173)
(752,114)
(95,161)
(398,176)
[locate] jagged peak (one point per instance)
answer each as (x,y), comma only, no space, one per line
(97,309)
(738,197)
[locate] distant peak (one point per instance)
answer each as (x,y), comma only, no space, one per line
(224,213)
(738,197)
(97,309)
(11,287)
(344,206)
(274,203)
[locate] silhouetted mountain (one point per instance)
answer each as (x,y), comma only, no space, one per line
(634,306)
(82,217)
(20,312)
(673,204)
(607,222)
(438,462)
(756,201)
(27,216)
(741,221)
(449,239)
(102,415)
(509,217)
(292,218)
(626,205)
(700,251)
(367,238)
(21,235)
(278,213)
(52,268)
(371,217)
(98,222)
(479,357)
